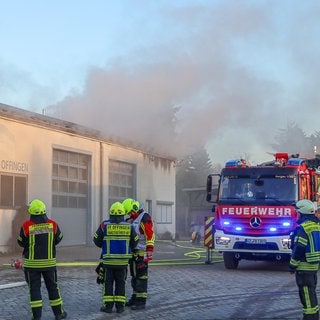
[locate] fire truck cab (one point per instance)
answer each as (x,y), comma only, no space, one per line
(254,210)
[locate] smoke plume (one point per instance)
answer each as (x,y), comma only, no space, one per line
(222,82)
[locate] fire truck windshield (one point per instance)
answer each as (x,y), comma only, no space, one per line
(265,188)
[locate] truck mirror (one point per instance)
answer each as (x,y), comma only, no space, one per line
(209,184)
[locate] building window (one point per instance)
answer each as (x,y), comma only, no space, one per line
(122,177)
(70,179)
(13,191)
(164,212)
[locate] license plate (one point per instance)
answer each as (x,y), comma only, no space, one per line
(256,241)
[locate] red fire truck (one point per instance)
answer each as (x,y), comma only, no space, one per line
(254,209)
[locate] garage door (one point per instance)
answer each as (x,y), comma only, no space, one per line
(70,195)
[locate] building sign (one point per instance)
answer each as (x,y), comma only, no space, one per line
(9,165)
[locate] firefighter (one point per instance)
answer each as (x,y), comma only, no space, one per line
(39,237)
(117,239)
(195,233)
(142,254)
(305,258)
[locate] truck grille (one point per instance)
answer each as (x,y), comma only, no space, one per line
(251,246)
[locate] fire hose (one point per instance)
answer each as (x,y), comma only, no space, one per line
(195,256)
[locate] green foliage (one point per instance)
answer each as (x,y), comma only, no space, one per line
(294,140)
(192,172)
(193,169)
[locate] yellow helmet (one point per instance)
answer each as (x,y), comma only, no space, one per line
(37,207)
(117,209)
(305,206)
(131,205)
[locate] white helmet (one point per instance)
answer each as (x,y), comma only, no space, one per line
(305,206)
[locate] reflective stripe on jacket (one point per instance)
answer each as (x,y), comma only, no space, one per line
(306,248)
(39,241)
(116,244)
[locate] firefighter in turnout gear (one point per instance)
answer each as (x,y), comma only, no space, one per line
(142,254)
(39,237)
(305,258)
(117,239)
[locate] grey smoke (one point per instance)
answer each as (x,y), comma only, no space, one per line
(234,73)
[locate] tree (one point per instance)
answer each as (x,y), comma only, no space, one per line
(191,173)
(293,140)
(315,142)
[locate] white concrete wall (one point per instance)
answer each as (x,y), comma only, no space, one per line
(155,180)
(32,146)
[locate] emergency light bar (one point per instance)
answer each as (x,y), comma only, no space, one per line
(294,162)
(236,163)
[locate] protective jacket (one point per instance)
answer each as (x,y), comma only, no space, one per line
(143,224)
(306,244)
(39,236)
(116,241)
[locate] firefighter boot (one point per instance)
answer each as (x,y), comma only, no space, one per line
(120,307)
(131,301)
(36,313)
(138,307)
(61,316)
(107,308)
(140,304)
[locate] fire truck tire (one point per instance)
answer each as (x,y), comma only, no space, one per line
(230,261)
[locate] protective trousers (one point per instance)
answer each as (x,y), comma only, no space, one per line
(139,279)
(114,287)
(307,283)
(33,279)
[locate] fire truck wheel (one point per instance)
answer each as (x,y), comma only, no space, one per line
(230,261)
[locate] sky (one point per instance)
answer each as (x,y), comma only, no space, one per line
(172,75)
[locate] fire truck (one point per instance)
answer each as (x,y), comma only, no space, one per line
(254,206)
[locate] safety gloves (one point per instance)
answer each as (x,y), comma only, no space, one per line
(100,273)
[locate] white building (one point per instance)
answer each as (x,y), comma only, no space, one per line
(78,172)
